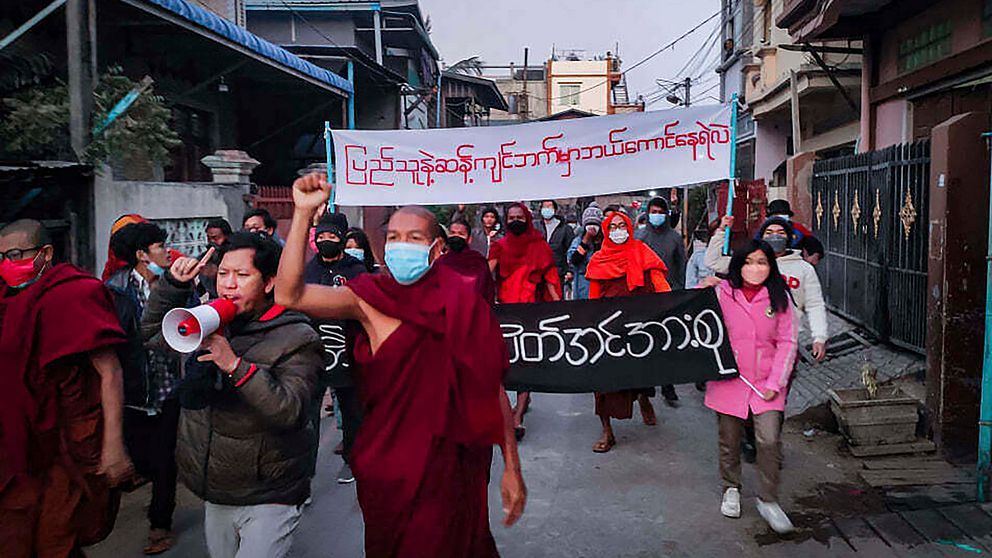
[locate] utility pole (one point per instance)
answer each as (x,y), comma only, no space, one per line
(526,102)
(688,84)
(80,20)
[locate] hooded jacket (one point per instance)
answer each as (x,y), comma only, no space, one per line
(560,241)
(668,245)
(480,241)
(253,443)
(799,275)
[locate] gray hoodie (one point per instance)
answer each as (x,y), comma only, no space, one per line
(668,245)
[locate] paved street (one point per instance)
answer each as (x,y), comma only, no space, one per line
(656,494)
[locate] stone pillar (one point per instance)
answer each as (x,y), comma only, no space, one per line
(958,221)
(799,181)
(230,166)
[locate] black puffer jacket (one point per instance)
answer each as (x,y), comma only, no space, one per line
(253,443)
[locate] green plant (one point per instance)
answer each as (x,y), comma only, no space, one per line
(37,123)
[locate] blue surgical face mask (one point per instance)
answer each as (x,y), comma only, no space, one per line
(657,219)
(357,253)
(547,212)
(408,262)
(156,269)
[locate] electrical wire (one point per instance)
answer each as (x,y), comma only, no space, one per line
(639,63)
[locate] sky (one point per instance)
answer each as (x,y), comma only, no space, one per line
(498,30)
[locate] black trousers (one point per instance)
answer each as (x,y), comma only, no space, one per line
(151,443)
(351,417)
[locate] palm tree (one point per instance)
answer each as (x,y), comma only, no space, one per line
(472,65)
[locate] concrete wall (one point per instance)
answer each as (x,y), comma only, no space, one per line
(589,75)
(770,150)
(160,200)
(891,123)
(282,28)
(965,17)
(958,225)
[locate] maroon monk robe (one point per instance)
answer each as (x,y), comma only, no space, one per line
(432,412)
(51,421)
(471,263)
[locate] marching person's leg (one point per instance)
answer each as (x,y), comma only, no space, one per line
(647,409)
(729,428)
(766,430)
(267,530)
(523,401)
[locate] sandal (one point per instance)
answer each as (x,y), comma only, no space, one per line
(159,541)
(519,432)
(647,413)
(604,446)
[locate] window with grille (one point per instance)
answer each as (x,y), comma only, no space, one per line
(925,47)
(569,93)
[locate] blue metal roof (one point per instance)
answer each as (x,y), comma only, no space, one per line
(230,31)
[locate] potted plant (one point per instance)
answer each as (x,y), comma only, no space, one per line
(872,414)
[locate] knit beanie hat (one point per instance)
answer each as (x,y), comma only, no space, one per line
(593,215)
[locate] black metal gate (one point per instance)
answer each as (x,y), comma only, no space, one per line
(870,211)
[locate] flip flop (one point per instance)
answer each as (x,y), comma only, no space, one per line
(159,544)
(650,418)
(603,447)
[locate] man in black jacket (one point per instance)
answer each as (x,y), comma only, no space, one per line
(151,409)
(559,236)
(247,450)
(333,267)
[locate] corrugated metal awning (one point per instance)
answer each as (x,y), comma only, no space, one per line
(223,31)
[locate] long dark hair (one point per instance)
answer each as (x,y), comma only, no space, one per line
(778,291)
(362,240)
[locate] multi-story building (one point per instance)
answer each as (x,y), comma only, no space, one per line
(595,85)
(525,90)
(801,97)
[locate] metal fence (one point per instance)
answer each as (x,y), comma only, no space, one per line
(870,211)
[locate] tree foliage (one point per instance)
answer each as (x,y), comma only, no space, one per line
(36,123)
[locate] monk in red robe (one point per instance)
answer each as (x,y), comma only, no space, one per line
(468,262)
(623,267)
(61,401)
(525,272)
(430,360)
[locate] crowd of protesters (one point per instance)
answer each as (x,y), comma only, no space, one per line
(238,422)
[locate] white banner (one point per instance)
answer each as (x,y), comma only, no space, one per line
(541,160)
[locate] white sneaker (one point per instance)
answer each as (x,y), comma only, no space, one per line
(776,518)
(731,506)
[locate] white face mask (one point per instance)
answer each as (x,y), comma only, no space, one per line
(619,236)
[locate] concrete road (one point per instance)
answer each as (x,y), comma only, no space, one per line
(656,494)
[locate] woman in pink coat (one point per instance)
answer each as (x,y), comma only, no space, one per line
(758,316)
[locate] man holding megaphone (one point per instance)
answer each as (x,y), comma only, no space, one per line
(244,436)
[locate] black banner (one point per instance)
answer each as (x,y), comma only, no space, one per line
(613,344)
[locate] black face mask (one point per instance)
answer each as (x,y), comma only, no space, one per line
(457,243)
(329,248)
(517,227)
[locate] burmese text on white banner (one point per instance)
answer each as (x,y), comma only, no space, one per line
(541,160)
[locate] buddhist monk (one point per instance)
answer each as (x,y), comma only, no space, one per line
(430,360)
(623,267)
(525,272)
(61,401)
(462,258)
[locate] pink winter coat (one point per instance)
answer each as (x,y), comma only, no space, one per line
(765,348)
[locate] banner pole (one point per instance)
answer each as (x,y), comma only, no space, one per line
(330,165)
(731,182)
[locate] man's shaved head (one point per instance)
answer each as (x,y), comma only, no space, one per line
(31,231)
(433,228)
